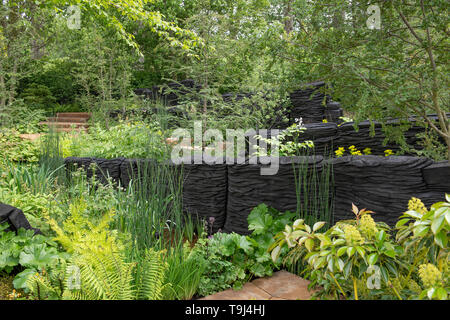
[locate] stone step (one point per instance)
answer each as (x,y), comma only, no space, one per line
(84,115)
(65,124)
(281,286)
(76,130)
(68,119)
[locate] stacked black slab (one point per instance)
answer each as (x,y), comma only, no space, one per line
(333,112)
(248,187)
(15,218)
(383,185)
(105,170)
(309,103)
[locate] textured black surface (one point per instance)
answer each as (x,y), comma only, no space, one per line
(247,188)
(229,192)
(15,218)
(381,184)
(205,192)
(103,168)
(437,176)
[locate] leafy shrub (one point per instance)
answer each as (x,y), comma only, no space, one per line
(16,149)
(129,140)
(36,207)
(233,259)
(184,273)
(360,258)
(26,253)
(38,96)
(98,268)
(288,141)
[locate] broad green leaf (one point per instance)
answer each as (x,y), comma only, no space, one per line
(351,251)
(441,239)
(275,253)
(309,244)
(341,251)
(437,224)
(401,222)
(372,259)
(381,235)
(318,225)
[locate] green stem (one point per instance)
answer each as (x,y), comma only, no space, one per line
(340,288)
(355,288)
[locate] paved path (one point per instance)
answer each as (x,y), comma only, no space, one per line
(281,286)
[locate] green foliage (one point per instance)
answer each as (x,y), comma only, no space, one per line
(36,207)
(26,253)
(226,257)
(16,149)
(129,140)
(38,96)
(358,258)
(287,142)
(98,263)
(398,70)
(184,273)
(232,259)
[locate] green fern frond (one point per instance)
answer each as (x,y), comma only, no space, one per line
(151,281)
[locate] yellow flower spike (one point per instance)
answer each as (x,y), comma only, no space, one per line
(430,275)
(352,235)
(368,226)
(417,205)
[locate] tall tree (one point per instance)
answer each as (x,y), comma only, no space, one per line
(385,59)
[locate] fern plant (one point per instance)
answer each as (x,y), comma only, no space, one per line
(98,268)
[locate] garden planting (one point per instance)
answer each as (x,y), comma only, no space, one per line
(119,181)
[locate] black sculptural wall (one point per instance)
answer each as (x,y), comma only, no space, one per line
(229,192)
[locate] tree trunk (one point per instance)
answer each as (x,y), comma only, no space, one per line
(288,18)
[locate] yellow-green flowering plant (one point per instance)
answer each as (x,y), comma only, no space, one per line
(424,234)
(364,259)
(343,259)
